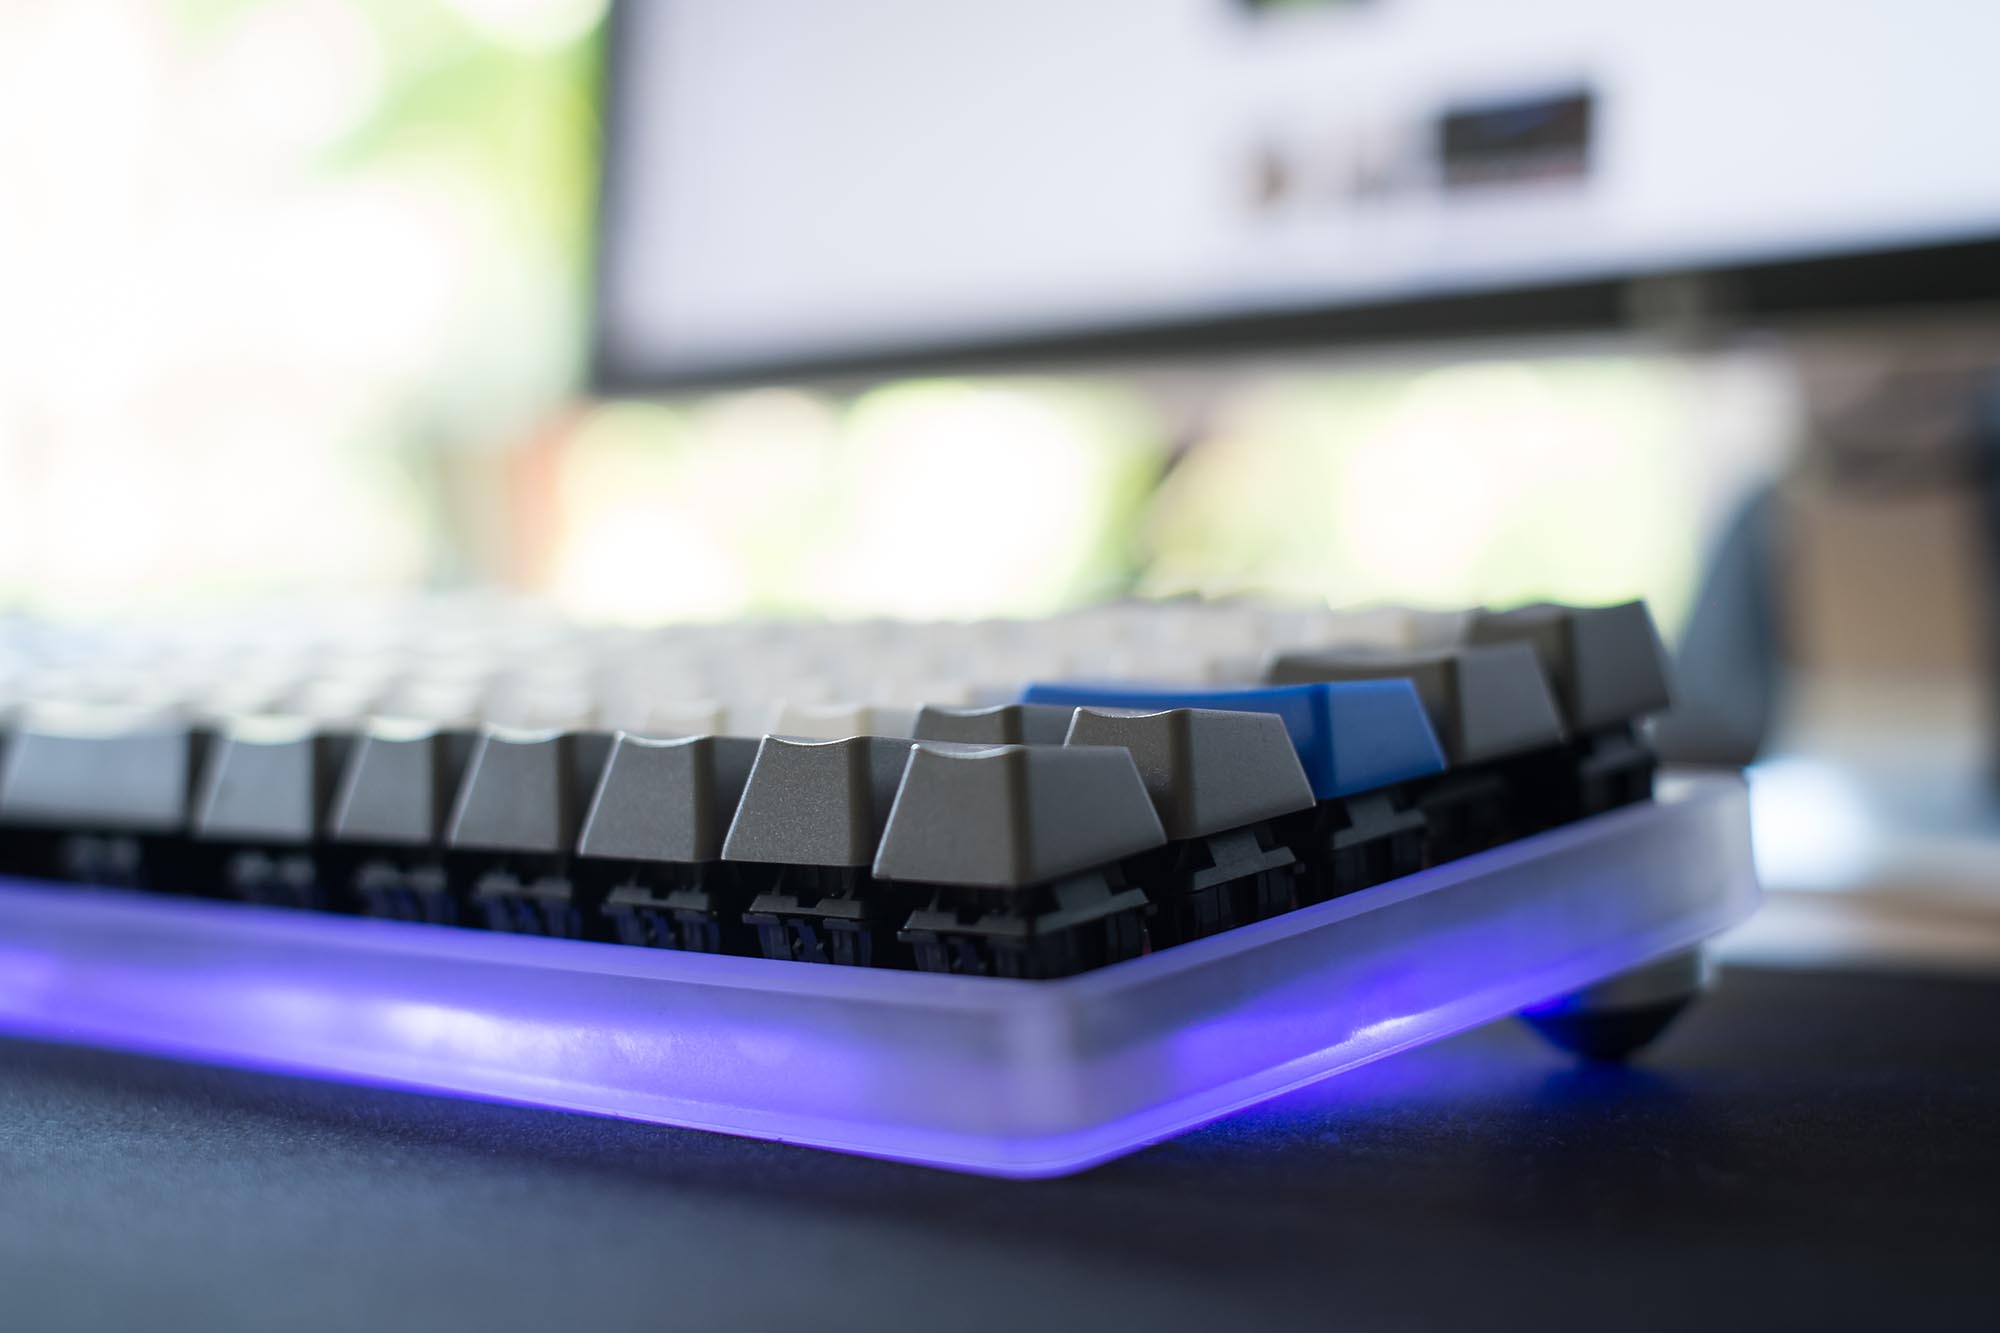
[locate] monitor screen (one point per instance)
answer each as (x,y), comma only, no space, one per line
(793,184)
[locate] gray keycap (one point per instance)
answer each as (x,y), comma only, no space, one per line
(1605,662)
(1206,770)
(1484,702)
(268,783)
(103,771)
(1015,815)
(1002,724)
(667,800)
(399,784)
(819,803)
(525,791)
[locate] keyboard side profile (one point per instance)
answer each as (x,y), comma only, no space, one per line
(1024,937)
(1082,826)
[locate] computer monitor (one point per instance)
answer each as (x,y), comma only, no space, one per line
(795,187)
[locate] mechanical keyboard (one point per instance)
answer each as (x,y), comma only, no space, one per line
(1010,807)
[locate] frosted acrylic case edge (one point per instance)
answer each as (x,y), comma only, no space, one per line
(1013,1078)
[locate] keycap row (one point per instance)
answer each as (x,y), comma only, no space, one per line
(461,661)
(1029,839)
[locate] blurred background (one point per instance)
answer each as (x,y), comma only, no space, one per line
(297,296)
(297,300)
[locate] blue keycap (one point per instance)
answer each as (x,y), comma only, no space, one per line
(1351,736)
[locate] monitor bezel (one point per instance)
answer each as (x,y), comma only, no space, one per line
(1948,271)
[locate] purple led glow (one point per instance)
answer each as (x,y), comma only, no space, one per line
(1003,1077)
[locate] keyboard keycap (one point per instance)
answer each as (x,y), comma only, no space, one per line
(523,795)
(1021,850)
(399,783)
(820,803)
(1226,786)
(393,807)
(1606,663)
(264,799)
(94,770)
(1349,737)
(1015,815)
(660,816)
(525,791)
(269,782)
(815,810)
(1609,671)
(667,800)
(1206,770)
(1485,702)
(1001,724)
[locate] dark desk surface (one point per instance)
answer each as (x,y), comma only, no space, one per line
(1806,1150)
